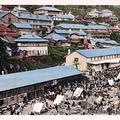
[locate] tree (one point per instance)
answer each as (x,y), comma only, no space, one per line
(3,55)
(115,36)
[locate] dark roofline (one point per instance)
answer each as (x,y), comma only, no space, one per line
(5,14)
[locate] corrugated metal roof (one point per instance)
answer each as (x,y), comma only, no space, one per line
(30,38)
(105,41)
(72,26)
(32,16)
(55,37)
(16,80)
(49,9)
(2,14)
(22,25)
(106,11)
(62,31)
(80,26)
(99,52)
(99,27)
(61,16)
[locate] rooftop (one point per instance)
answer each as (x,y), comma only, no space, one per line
(32,16)
(80,26)
(49,9)
(99,52)
(3,14)
(30,38)
(21,79)
(22,25)
(64,16)
(105,41)
(55,37)
(19,8)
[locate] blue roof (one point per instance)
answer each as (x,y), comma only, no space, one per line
(49,9)
(61,16)
(32,16)
(22,25)
(106,11)
(62,31)
(71,26)
(16,80)
(55,37)
(3,14)
(99,27)
(105,24)
(80,26)
(30,38)
(99,52)
(105,41)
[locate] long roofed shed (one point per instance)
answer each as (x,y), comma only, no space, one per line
(21,79)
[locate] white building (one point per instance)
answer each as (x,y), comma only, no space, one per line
(100,13)
(33,45)
(97,59)
(106,13)
(50,11)
(64,17)
(93,13)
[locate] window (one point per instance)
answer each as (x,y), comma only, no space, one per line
(75,59)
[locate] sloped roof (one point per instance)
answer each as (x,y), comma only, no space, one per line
(22,25)
(30,38)
(32,16)
(66,16)
(99,52)
(21,79)
(49,9)
(3,14)
(80,26)
(55,37)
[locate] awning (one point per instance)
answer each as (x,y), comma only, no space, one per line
(78,92)
(58,99)
(99,99)
(111,82)
(118,77)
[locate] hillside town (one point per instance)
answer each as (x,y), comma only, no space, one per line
(54,62)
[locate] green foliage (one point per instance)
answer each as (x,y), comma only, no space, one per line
(115,36)
(3,54)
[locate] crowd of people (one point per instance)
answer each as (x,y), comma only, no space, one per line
(97,97)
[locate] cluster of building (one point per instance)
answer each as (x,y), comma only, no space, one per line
(103,13)
(29,34)
(18,24)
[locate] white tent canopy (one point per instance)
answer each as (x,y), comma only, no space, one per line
(37,107)
(78,92)
(58,99)
(111,82)
(99,99)
(118,77)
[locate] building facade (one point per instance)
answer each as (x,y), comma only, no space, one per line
(32,45)
(21,28)
(97,59)
(49,11)
(34,84)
